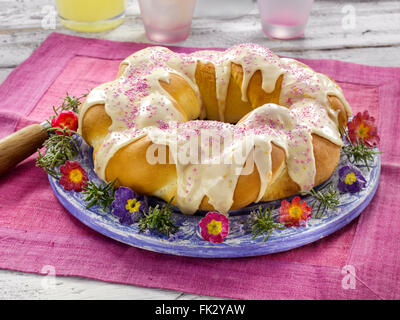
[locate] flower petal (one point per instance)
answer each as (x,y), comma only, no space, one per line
(365,124)
(357,185)
(66,119)
(222,233)
(290,215)
(66,181)
(124,194)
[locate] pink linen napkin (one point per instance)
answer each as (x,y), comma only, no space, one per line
(36,230)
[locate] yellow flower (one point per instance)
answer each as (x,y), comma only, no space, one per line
(363,131)
(214,227)
(132,205)
(295,212)
(350,178)
(75,175)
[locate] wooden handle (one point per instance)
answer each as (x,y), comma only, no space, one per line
(20,145)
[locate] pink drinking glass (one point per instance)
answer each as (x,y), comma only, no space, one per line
(284,19)
(167,21)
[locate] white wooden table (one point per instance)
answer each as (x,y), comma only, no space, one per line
(361,31)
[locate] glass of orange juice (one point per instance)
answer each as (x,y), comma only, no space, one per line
(91,15)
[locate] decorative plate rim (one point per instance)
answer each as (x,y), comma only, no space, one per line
(234,248)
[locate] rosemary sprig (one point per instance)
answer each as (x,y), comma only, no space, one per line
(101,194)
(329,198)
(159,219)
(69,103)
(261,221)
(358,151)
(58,149)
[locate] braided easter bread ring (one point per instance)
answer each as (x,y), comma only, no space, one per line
(291,113)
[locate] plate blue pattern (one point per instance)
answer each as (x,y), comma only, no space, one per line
(239,242)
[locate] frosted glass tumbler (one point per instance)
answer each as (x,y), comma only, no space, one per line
(167,21)
(227,9)
(284,19)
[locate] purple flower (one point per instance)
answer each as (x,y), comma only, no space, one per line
(351,179)
(128,205)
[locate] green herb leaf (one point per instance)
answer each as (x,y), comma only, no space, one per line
(325,197)
(58,149)
(102,194)
(158,219)
(261,221)
(358,151)
(69,103)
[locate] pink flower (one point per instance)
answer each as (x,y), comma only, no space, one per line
(295,213)
(214,227)
(363,128)
(67,120)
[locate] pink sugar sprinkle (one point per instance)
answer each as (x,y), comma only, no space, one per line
(162,124)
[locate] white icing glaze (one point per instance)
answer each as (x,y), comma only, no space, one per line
(139,106)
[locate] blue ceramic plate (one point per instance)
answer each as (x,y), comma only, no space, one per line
(239,243)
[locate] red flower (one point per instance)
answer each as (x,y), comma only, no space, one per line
(214,227)
(363,128)
(74,177)
(295,213)
(66,119)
